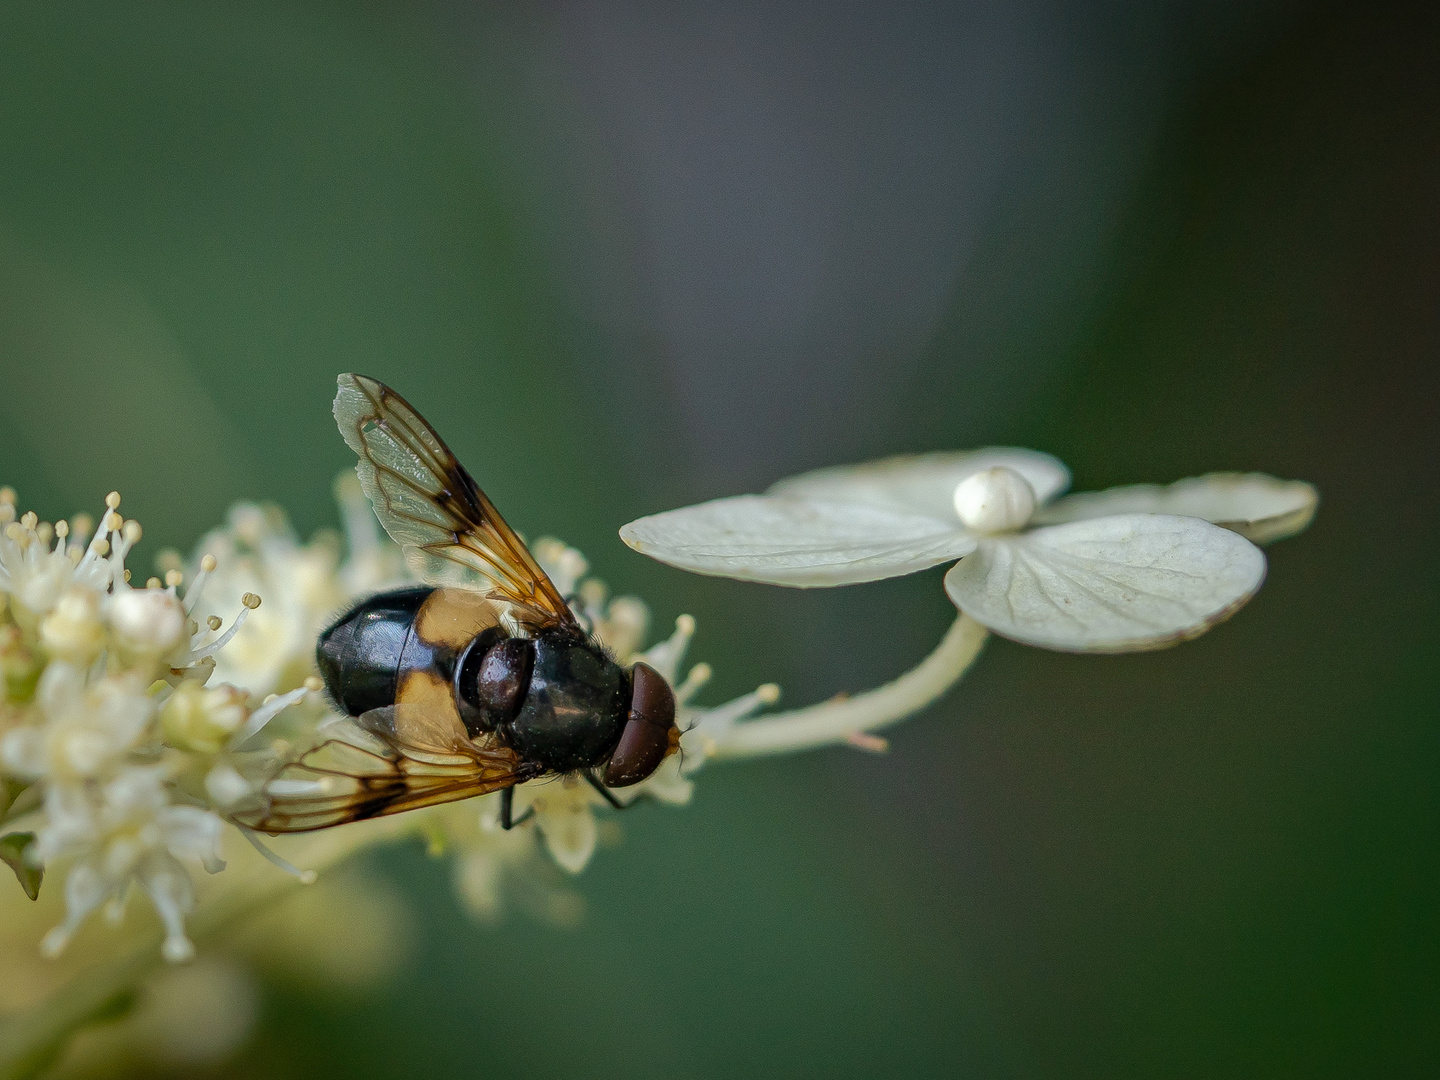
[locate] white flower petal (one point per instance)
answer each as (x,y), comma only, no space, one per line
(1258,507)
(666,784)
(924,483)
(192,833)
(784,541)
(85,890)
(568,829)
(22,751)
(1115,584)
(477,874)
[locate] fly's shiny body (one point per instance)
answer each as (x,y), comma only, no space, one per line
(556,699)
(481,679)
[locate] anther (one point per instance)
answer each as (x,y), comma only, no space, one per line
(100,546)
(174,578)
(250,600)
(214,622)
(29,519)
(152,583)
(7,495)
(132,531)
(62,528)
(112,500)
(313,683)
(208,563)
(111,522)
(127,577)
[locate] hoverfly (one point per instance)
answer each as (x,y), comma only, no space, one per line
(480,679)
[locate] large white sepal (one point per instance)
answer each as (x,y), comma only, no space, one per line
(1115,584)
(785,541)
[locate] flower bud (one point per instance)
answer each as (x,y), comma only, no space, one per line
(994,500)
(146,623)
(73,632)
(203,720)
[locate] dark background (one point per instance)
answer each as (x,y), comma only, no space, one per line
(632,255)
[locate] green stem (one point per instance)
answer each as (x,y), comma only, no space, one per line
(841,718)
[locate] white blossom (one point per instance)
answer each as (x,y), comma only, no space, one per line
(127,830)
(1132,568)
(108,715)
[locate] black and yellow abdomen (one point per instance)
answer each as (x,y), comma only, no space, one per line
(360,654)
(399,646)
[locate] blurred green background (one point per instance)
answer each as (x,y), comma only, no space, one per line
(630,256)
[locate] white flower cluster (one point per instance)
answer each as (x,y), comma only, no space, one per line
(110,735)
(128,716)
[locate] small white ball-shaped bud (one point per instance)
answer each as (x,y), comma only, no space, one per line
(994,500)
(80,751)
(203,720)
(73,631)
(147,622)
(225,786)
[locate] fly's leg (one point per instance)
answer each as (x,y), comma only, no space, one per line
(605,792)
(507,804)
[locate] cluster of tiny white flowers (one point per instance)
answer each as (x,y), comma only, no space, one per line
(128,716)
(110,734)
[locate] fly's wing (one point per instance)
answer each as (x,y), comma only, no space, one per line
(365,771)
(450,532)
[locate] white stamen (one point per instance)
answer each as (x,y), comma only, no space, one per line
(696,678)
(306,877)
(273,707)
(197,587)
(220,642)
(291,788)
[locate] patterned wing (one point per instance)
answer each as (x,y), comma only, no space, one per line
(430,506)
(366,771)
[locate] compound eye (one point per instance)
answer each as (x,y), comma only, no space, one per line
(493,681)
(648,729)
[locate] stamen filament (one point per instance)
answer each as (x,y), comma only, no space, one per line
(305,877)
(220,642)
(267,712)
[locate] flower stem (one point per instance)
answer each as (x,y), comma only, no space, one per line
(841,718)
